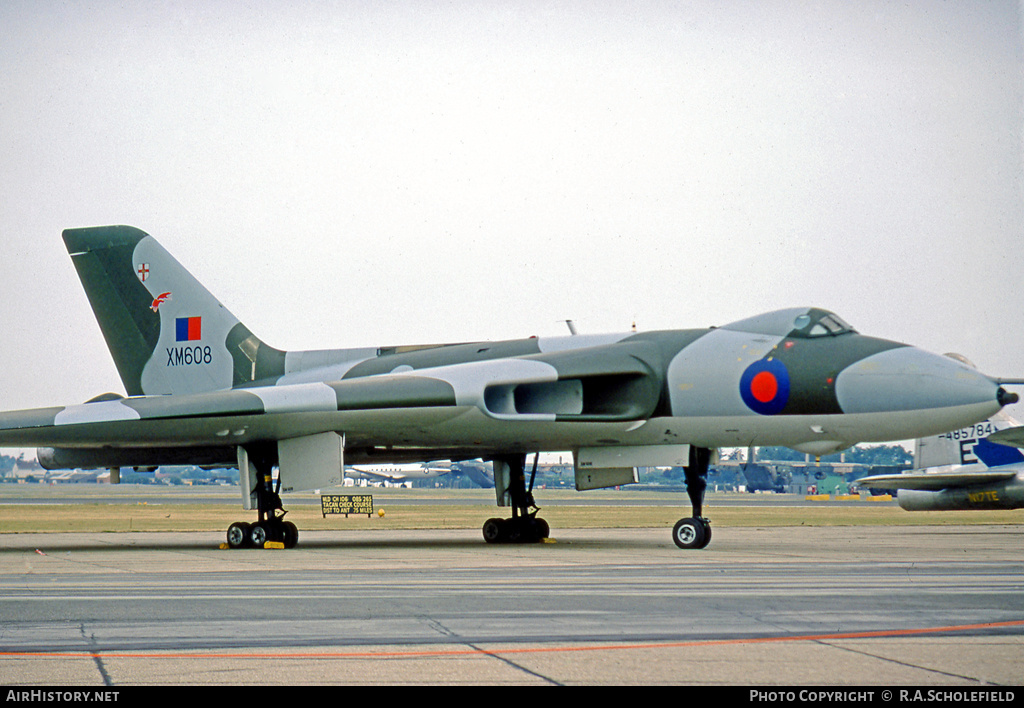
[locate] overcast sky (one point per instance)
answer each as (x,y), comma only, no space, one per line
(369,173)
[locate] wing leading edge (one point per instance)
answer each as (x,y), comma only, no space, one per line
(936,481)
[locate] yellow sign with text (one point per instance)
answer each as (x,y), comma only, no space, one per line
(346,504)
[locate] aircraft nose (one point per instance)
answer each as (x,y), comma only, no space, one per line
(909,379)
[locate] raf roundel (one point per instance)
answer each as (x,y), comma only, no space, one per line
(764,386)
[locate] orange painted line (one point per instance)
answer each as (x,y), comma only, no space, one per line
(522,650)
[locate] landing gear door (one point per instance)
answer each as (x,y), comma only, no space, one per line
(246,480)
(502,482)
(601,467)
(604,477)
(311,462)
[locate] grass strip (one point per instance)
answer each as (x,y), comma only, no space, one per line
(149,516)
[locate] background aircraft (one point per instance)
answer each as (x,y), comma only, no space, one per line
(478,472)
(962,469)
(397,473)
(202,388)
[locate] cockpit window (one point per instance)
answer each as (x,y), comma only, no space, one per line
(802,323)
(819,323)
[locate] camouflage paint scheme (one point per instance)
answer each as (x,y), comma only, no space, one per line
(200,384)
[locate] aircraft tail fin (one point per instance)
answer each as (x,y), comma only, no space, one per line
(166,333)
(967,446)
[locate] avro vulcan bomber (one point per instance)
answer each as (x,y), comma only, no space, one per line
(203,389)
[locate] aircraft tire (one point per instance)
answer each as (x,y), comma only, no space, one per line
(543,529)
(258,535)
(689,533)
(533,530)
(707,532)
(238,535)
(494,530)
(514,531)
(289,534)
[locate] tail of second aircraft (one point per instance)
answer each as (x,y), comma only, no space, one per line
(166,332)
(968,446)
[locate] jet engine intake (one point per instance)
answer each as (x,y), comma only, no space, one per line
(612,397)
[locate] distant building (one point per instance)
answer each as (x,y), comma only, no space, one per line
(22,470)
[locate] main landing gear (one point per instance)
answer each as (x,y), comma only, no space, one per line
(270,526)
(243,535)
(695,531)
(524,526)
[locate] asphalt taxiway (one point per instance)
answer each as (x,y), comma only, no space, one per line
(880,606)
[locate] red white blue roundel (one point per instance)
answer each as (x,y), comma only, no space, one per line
(764,386)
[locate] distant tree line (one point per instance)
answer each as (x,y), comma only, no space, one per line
(7,462)
(868,455)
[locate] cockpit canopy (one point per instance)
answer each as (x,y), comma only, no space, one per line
(797,322)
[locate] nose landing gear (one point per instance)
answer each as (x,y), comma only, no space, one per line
(692,533)
(695,531)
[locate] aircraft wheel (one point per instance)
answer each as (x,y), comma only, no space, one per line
(238,534)
(257,535)
(543,530)
(514,531)
(494,530)
(289,534)
(534,530)
(689,533)
(707,531)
